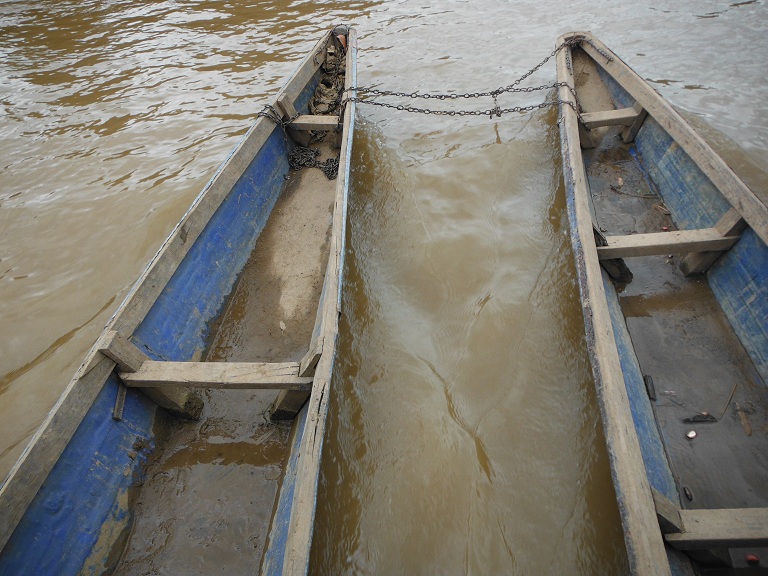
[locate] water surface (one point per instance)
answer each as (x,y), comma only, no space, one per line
(463,434)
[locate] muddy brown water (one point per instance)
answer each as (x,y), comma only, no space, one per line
(463,433)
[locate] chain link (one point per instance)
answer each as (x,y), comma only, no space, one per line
(599,50)
(495,111)
(306,157)
(491,112)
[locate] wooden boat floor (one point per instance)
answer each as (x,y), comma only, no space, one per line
(685,343)
(210,489)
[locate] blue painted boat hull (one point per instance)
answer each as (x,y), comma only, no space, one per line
(82,508)
(682,176)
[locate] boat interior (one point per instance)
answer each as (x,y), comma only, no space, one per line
(709,400)
(212,485)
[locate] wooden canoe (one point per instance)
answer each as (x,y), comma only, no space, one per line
(672,265)
(64,504)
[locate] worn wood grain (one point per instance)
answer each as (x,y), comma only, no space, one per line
(130,359)
(667,512)
(629,133)
(645,546)
(620,117)
(731,187)
(672,242)
(125,354)
(231,375)
(724,528)
(731,224)
(315,122)
(305,496)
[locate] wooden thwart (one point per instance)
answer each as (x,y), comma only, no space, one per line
(754,212)
(620,117)
(676,241)
(667,512)
(129,359)
(319,122)
(724,528)
(231,375)
(731,224)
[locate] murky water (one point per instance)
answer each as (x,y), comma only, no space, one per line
(463,435)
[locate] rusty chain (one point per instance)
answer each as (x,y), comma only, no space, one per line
(491,112)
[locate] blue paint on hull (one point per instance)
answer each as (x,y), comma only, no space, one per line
(739,279)
(86,491)
(272,564)
(176,326)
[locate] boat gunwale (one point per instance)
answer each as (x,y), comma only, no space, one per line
(592,279)
(51,438)
(645,546)
(301,523)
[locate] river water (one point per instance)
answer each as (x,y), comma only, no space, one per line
(463,434)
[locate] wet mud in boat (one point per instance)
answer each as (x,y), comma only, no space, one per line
(190,439)
(210,492)
(671,252)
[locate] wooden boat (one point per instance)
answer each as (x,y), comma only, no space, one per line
(680,360)
(64,504)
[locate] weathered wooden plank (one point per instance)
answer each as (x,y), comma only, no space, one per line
(125,354)
(311,358)
(731,187)
(32,468)
(289,402)
(667,512)
(315,122)
(117,411)
(285,105)
(645,546)
(731,224)
(724,528)
(130,359)
(305,495)
(620,117)
(672,242)
(235,375)
(628,134)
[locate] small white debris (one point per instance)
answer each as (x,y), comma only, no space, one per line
(691,435)
(282,325)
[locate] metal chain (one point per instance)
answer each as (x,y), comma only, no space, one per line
(491,93)
(495,111)
(491,112)
(600,51)
(300,156)
(303,157)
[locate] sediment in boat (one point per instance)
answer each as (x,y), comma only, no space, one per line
(211,486)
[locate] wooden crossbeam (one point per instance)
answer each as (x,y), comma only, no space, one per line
(129,360)
(629,132)
(122,351)
(620,117)
(289,402)
(731,224)
(676,241)
(319,122)
(234,375)
(284,103)
(723,528)
(667,512)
